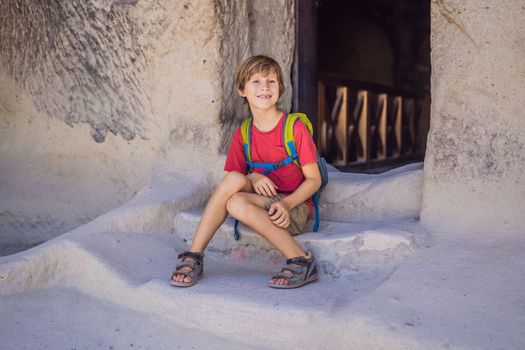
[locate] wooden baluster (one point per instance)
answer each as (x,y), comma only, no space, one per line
(368,125)
(398,126)
(354,144)
(341,134)
(382,104)
(363,127)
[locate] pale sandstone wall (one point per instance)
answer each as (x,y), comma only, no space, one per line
(252,27)
(95,94)
(475,161)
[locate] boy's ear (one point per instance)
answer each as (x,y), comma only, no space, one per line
(242,93)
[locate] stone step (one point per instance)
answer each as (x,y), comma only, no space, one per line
(352,197)
(132,270)
(121,260)
(363,250)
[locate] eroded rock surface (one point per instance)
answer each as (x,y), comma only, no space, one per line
(80,61)
(95,94)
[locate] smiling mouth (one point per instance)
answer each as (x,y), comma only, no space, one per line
(265,96)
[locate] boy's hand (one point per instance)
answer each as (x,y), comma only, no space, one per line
(263,185)
(280,214)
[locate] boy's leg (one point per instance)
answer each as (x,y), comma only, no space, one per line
(249,208)
(215,213)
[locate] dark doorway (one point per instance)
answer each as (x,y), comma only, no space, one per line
(363,68)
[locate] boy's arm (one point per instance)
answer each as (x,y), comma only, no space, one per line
(262,184)
(280,211)
(310,185)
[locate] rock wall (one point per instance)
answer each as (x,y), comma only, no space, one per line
(95,94)
(80,63)
(474,166)
(252,27)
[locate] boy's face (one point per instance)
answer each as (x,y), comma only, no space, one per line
(261,91)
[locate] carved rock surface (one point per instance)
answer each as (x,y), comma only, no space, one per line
(95,94)
(95,62)
(80,61)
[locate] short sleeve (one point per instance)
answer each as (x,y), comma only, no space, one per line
(236,160)
(304,144)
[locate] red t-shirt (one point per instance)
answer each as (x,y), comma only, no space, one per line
(268,147)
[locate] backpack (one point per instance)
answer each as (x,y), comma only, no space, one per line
(289,144)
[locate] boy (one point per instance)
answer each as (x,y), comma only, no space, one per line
(276,205)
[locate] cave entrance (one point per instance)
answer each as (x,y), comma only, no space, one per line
(363,68)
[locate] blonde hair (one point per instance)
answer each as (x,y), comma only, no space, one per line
(258,64)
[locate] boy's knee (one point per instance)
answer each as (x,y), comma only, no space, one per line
(236,205)
(235,177)
(233,182)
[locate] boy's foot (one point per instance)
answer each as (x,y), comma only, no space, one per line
(188,270)
(180,277)
(296,273)
(281,281)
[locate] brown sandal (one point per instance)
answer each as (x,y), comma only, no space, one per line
(195,261)
(302,269)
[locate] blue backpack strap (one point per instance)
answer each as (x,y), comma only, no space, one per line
(236,234)
(271,166)
(266,166)
(315,199)
(293,151)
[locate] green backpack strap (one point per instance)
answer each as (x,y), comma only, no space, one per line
(288,137)
(246,131)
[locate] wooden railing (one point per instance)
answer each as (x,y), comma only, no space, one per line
(366,126)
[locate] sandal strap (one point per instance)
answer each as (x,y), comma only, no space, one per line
(188,263)
(192,260)
(283,275)
(197,256)
(195,269)
(300,260)
(295,269)
(299,269)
